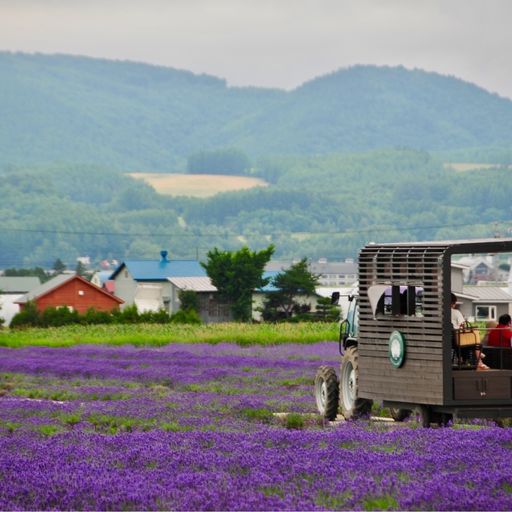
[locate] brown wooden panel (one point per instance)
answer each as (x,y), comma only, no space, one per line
(420,379)
(419,354)
(481,386)
(417,381)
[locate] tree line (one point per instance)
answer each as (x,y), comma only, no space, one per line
(235,274)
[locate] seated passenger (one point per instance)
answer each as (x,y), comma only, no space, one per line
(491,324)
(457,317)
(458,321)
(501,335)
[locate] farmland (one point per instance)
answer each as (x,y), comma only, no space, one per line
(197,185)
(163,334)
(193,426)
(466,166)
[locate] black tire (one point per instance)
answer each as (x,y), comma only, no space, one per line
(441,418)
(352,407)
(425,414)
(327,392)
(399,414)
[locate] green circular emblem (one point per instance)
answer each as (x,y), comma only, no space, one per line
(396,349)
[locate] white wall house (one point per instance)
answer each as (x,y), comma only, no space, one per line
(12,289)
(137,280)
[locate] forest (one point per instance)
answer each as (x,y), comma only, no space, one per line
(317,206)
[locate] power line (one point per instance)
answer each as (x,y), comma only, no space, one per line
(275,233)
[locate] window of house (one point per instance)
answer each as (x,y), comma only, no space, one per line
(485,312)
(396,300)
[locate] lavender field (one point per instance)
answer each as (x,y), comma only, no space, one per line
(193,427)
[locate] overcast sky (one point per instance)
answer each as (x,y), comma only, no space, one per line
(274,43)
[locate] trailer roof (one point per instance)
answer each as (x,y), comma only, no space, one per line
(454,246)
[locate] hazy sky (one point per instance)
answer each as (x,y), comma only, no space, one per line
(274,43)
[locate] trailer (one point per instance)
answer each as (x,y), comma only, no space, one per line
(398,345)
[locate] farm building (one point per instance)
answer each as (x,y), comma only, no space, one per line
(12,289)
(72,291)
(101,279)
(146,282)
(211,308)
(330,273)
(153,285)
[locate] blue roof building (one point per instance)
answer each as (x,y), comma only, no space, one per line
(269,287)
(139,277)
(151,270)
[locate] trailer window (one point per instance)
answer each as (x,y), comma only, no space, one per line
(396,300)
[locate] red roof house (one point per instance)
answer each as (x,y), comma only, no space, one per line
(72,291)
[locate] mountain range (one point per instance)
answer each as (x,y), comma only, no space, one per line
(135,116)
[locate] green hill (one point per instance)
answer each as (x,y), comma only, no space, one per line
(351,157)
(321,206)
(135,116)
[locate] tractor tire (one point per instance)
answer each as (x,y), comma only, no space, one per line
(441,418)
(425,414)
(399,414)
(352,407)
(327,392)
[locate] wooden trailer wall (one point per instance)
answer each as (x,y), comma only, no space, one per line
(420,378)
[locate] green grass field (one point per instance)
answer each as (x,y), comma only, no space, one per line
(162,334)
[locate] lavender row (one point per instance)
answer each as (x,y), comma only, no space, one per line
(346,468)
(177,387)
(175,363)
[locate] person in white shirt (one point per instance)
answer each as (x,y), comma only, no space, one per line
(458,321)
(457,317)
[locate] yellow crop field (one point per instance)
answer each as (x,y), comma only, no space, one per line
(196,185)
(462,167)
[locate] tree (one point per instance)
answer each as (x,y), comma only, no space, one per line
(25,272)
(220,161)
(236,275)
(80,269)
(325,311)
(297,280)
(59,266)
(188,300)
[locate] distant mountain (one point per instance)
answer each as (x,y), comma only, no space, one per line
(135,116)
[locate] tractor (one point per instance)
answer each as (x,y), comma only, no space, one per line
(398,345)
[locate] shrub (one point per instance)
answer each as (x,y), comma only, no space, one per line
(188,300)
(155,317)
(93,317)
(57,317)
(186,317)
(27,317)
(129,315)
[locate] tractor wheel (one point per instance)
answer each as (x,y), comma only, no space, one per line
(441,418)
(399,414)
(425,413)
(352,406)
(327,392)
